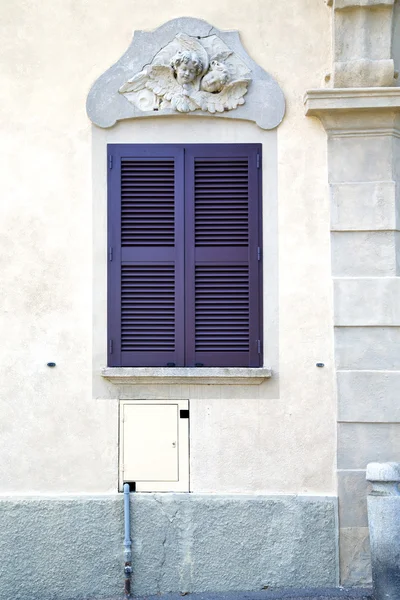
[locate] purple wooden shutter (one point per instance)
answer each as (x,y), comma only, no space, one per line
(222,252)
(146,259)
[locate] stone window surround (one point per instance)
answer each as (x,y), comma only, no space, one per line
(184,352)
(108,383)
(273,96)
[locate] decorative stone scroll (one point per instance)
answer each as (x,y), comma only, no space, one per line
(186,66)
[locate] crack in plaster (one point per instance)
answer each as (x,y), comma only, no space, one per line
(170,519)
(199,37)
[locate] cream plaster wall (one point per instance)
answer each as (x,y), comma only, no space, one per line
(57,433)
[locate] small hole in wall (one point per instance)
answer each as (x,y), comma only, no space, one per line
(132,485)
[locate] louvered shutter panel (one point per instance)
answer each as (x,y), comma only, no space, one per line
(146,258)
(223,271)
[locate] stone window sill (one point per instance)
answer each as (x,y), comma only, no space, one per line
(188,375)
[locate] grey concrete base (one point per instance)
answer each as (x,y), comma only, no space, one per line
(59,548)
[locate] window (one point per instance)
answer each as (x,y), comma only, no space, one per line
(184,277)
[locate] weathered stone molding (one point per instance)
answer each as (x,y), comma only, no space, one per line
(362,43)
(186,66)
(187,375)
(353,110)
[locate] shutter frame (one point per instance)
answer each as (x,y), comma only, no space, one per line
(236,258)
(132,345)
(184,257)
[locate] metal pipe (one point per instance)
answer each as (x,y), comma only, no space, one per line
(127,542)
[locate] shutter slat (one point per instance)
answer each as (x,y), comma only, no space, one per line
(226,222)
(148,299)
(142,196)
(223,296)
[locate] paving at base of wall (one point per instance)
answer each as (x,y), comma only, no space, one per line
(72,547)
(292,594)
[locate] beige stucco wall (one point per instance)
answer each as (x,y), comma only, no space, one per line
(58,433)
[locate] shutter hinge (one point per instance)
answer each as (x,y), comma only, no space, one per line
(110,346)
(110,161)
(110,253)
(259,346)
(258,253)
(258,161)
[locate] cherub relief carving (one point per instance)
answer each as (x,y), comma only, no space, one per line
(190,74)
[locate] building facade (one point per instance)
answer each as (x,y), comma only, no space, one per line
(273,425)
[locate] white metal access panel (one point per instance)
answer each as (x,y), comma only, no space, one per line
(154,445)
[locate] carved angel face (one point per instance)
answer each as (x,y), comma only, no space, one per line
(187,66)
(216,78)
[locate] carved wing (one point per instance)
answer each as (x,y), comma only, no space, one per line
(229,98)
(221,56)
(161,81)
(157,78)
(184,103)
(136,83)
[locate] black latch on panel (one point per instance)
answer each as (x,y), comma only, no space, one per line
(184,414)
(171,365)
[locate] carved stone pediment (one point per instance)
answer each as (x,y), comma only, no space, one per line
(186,66)
(190,74)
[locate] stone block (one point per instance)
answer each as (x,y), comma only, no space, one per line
(365,254)
(369,396)
(181,543)
(352,491)
(396,144)
(369,157)
(363,73)
(362,443)
(366,206)
(355,556)
(362,43)
(367,348)
(381,308)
